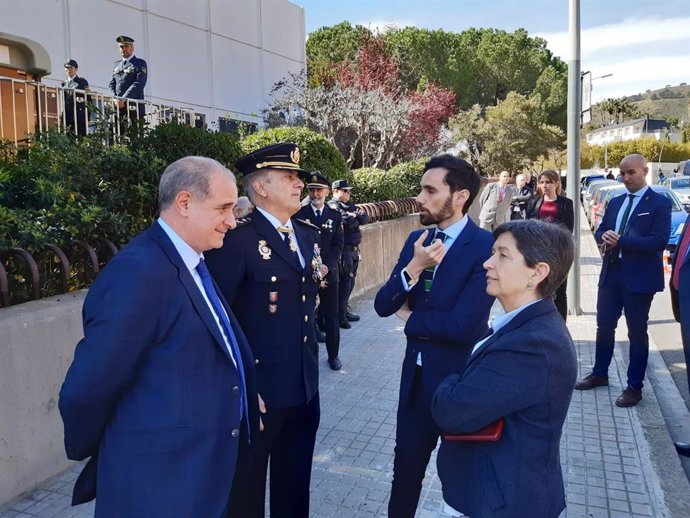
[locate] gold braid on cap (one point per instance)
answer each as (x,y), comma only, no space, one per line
(282,165)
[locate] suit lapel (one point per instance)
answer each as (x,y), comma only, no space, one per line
(642,206)
(454,255)
(159,236)
(306,245)
(535,310)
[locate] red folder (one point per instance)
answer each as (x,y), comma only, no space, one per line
(491,432)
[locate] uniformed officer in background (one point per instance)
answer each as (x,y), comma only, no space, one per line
(269,269)
(128,81)
(330,223)
(75,103)
(349,263)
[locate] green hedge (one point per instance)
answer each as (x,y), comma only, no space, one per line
(650,148)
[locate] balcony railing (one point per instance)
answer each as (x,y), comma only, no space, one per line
(30,107)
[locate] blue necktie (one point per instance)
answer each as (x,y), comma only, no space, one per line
(212,295)
(428,274)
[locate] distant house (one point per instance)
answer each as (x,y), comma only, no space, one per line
(629,130)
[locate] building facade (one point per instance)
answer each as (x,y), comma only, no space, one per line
(630,130)
(219,58)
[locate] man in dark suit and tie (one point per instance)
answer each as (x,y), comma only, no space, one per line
(330,223)
(632,237)
(438,287)
(75,103)
(270,269)
(163,380)
(128,81)
(680,302)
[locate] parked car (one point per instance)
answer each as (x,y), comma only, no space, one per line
(598,203)
(592,188)
(678,214)
(587,179)
(681,186)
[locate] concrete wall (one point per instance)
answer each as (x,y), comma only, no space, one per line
(37,342)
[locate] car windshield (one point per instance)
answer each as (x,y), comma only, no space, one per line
(676,205)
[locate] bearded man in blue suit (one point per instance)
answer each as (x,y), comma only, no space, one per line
(438,288)
(163,380)
(632,237)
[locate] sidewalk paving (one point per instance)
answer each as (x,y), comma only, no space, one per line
(611,468)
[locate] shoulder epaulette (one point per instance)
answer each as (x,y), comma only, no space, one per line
(244,221)
(307,223)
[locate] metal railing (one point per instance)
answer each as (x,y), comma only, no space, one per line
(30,107)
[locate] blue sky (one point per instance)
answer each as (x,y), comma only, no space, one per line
(645,44)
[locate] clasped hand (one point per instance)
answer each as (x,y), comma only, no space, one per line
(609,240)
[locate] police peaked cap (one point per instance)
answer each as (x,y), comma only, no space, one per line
(317,180)
(342,185)
(283,156)
(124,39)
(71,63)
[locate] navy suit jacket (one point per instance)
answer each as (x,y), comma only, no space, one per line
(331,230)
(681,305)
(642,241)
(152,395)
(524,373)
(129,81)
(274,302)
(448,320)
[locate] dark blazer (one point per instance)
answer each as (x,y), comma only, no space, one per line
(76,83)
(524,373)
(331,230)
(566,214)
(152,395)
(448,320)
(642,242)
(129,81)
(681,308)
(274,302)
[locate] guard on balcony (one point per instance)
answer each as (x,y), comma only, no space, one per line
(129,79)
(75,103)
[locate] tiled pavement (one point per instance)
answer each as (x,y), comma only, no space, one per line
(608,467)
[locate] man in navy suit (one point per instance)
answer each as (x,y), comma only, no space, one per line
(163,380)
(632,237)
(438,288)
(680,302)
(330,223)
(270,269)
(129,80)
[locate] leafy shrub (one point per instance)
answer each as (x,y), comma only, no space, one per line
(371,184)
(409,174)
(316,152)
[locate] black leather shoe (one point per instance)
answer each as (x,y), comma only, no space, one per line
(682,448)
(629,397)
(335,364)
(591,381)
(320,336)
(344,324)
(351,317)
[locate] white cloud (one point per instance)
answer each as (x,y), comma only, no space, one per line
(608,49)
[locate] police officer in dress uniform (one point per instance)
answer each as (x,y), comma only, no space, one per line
(270,269)
(75,103)
(349,263)
(330,223)
(128,81)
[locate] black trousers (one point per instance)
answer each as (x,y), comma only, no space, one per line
(349,265)
(288,441)
(328,314)
(416,436)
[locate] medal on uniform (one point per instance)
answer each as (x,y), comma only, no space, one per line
(328,224)
(273,296)
(272,308)
(293,246)
(316,264)
(264,250)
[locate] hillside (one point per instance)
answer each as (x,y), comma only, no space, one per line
(664,103)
